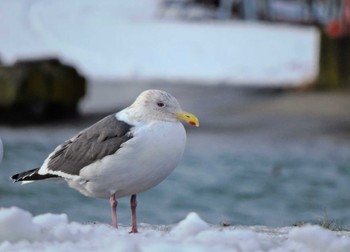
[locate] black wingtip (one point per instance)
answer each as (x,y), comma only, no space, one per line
(14,178)
(27,175)
(31,175)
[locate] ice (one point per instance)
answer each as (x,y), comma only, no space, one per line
(20,231)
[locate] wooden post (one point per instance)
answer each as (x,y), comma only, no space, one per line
(335,52)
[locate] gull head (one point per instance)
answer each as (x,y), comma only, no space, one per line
(161,106)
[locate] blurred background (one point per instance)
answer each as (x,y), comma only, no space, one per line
(269,81)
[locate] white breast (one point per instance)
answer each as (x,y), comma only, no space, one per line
(142,162)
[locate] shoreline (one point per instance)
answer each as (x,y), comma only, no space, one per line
(224,109)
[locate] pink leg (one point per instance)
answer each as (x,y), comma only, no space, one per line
(113,202)
(133,205)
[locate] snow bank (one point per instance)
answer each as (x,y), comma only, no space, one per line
(20,231)
(129,40)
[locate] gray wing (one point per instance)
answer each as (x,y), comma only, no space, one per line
(101,139)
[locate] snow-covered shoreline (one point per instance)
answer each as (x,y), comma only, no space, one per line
(20,231)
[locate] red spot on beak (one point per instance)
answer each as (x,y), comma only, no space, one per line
(192,123)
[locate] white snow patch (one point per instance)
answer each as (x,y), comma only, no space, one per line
(315,238)
(192,225)
(20,231)
(128,40)
(16,225)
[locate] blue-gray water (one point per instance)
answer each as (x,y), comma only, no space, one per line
(265,169)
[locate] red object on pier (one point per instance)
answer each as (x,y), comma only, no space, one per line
(334,29)
(340,27)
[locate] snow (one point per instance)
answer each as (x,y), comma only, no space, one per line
(136,40)
(193,224)
(20,231)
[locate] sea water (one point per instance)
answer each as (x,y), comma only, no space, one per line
(227,177)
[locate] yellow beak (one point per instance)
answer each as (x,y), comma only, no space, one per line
(189,118)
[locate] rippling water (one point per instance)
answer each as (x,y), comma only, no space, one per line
(247,179)
(257,158)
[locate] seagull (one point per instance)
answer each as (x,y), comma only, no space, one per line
(123,154)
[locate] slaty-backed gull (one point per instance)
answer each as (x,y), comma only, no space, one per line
(123,154)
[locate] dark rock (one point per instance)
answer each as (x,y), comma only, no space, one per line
(39,89)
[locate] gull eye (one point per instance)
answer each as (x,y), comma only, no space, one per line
(160,104)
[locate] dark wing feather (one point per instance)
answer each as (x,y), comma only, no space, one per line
(31,175)
(101,139)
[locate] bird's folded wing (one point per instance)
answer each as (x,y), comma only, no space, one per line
(101,139)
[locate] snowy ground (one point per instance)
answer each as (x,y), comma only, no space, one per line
(50,232)
(136,40)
